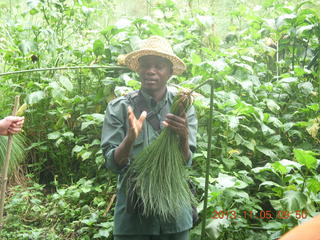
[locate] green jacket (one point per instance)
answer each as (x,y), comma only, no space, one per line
(114,130)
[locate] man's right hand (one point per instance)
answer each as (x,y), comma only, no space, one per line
(135,125)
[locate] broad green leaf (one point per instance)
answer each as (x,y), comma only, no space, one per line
(266,151)
(241,185)
(68,134)
(288,164)
(85,155)
(86,124)
(229,162)
(35,97)
(98,117)
(105,225)
(56,90)
(33,3)
(87,10)
(26,46)
(306,87)
(98,47)
(195,58)
(275,121)
(123,23)
(294,200)
(102,233)
(313,184)
(77,149)
(90,221)
(266,130)
(121,90)
(313,128)
(245,66)
(99,161)
(180,47)
(270,22)
(248,59)
(273,225)
(269,183)
(225,181)
(288,80)
(215,227)
(273,140)
(246,85)
(272,105)
(287,126)
(205,20)
(314,107)
(54,135)
(300,30)
(281,20)
(279,168)
(219,64)
(276,204)
(233,122)
(66,83)
(250,129)
(306,158)
(245,160)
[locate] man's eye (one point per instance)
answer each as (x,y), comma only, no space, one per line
(159,66)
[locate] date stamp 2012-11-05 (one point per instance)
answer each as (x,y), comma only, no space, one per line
(260,214)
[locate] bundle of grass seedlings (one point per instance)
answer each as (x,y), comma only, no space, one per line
(158,174)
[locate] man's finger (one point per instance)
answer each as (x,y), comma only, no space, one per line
(142,116)
(176,118)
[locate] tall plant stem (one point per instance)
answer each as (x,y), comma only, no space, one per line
(4,172)
(293,52)
(319,81)
(62,68)
(204,212)
(277,64)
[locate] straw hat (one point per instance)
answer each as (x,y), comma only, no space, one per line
(157,46)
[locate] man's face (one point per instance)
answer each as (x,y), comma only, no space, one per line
(154,72)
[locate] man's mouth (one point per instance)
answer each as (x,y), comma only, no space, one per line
(150,80)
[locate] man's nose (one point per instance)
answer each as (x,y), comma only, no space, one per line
(151,70)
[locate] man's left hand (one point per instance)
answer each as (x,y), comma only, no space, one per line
(179,124)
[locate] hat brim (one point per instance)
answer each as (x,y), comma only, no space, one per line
(132,60)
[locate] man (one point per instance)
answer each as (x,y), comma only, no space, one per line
(126,132)
(11,125)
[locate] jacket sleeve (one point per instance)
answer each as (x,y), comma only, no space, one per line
(114,131)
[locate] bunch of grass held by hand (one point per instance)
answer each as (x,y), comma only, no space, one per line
(158,174)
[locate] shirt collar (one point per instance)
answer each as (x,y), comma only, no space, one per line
(152,103)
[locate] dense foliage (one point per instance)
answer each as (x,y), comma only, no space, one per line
(266,113)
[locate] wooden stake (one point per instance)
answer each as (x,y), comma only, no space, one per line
(206,188)
(5,166)
(109,205)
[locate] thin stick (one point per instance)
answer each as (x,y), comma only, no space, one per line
(62,68)
(4,173)
(109,205)
(204,212)
(201,84)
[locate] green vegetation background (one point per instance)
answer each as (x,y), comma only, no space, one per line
(264,58)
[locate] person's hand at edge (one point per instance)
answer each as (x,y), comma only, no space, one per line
(11,125)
